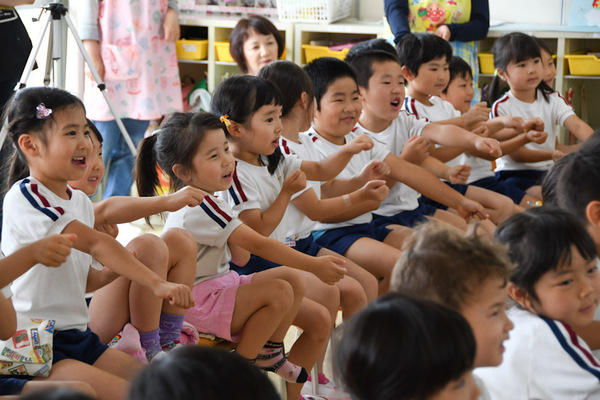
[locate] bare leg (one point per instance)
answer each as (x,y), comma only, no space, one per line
(498,206)
(535,192)
(45,384)
(376,257)
(182,262)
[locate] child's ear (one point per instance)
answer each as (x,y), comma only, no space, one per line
(501,74)
(182,172)
(519,295)
(29,145)
(592,213)
(303,102)
(234,129)
(361,93)
(408,76)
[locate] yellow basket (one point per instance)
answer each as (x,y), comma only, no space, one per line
(313,52)
(486,63)
(222,52)
(583,64)
(191,49)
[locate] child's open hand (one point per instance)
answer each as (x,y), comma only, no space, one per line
(489,146)
(362,142)
(178,295)
(476,115)
(375,190)
(537,136)
(187,196)
(416,150)
(469,210)
(53,250)
(329,269)
(376,169)
(295,182)
(459,173)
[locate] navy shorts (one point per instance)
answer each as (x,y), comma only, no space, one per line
(521,178)
(257,264)
(340,239)
(502,187)
(13,385)
(84,346)
(462,189)
(408,218)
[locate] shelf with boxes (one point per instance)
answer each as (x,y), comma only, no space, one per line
(212,32)
(576,52)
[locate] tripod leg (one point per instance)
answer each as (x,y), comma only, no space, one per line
(101,85)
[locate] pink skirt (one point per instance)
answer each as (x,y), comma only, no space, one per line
(215,300)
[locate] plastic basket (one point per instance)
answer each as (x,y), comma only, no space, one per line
(486,63)
(191,49)
(584,63)
(313,52)
(313,10)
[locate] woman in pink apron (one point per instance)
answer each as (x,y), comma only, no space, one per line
(132,45)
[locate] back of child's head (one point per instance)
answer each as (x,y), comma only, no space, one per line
(241,31)
(176,142)
(541,240)
(290,79)
(416,49)
(324,71)
(369,45)
(512,48)
(239,97)
(32,110)
(458,68)
(363,64)
(550,181)
(578,182)
(447,266)
(202,373)
(400,347)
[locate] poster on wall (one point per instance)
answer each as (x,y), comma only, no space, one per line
(584,13)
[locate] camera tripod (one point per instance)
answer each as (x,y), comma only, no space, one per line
(52,16)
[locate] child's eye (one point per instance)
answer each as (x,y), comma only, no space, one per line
(460,384)
(386,83)
(593,270)
(565,282)
(270,119)
(100,154)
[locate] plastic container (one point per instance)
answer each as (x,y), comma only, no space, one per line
(486,63)
(222,52)
(191,49)
(317,11)
(312,52)
(584,64)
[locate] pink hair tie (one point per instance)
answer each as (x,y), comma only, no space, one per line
(41,112)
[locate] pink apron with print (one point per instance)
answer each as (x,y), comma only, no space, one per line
(141,70)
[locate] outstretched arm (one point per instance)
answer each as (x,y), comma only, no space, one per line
(450,135)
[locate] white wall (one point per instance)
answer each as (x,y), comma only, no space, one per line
(545,12)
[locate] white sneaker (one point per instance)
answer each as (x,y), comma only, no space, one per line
(327,389)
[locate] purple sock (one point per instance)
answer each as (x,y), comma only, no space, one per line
(151,343)
(170,328)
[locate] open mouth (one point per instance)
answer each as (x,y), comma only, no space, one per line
(79,161)
(94,180)
(395,103)
(228,176)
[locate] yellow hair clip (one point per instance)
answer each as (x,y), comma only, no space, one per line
(225,119)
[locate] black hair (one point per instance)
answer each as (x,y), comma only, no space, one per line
(239,97)
(370,45)
(201,373)
(539,240)
(363,64)
(176,142)
(292,79)
(239,35)
(21,116)
(326,70)
(416,49)
(401,347)
(513,48)
(95,131)
(458,68)
(578,182)
(543,45)
(550,181)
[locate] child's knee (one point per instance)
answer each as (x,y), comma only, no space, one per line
(180,241)
(320,324)
(353,295)
(151,250)
(282,294)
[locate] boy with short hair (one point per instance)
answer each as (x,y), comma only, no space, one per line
(337,111)
(465,273)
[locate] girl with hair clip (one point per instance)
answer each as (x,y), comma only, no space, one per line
(518,62)
(265,180)
(359,286)
(171,256)
(404,348)
(253,310)
(51,135)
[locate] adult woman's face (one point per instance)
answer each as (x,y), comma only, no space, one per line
(259,50)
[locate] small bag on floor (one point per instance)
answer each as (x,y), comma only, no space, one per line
(29,350)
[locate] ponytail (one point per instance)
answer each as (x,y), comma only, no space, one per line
(146,175)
